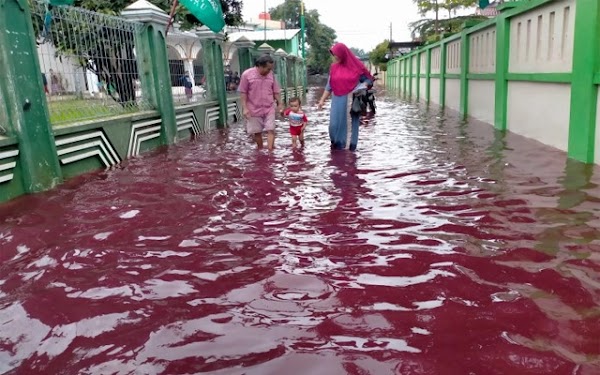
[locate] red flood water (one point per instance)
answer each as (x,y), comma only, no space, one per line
(439,247)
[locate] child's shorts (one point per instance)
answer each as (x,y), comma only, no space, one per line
(296,130)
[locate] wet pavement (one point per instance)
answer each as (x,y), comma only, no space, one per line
(439,247)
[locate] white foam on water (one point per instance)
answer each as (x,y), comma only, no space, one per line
(129,214)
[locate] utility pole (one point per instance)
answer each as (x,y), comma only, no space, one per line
(302,36)
(390,32)
(265,20)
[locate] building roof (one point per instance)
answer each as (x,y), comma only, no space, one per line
(489,11)
(259,35)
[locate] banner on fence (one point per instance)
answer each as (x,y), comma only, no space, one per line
(61,2)
(209,12)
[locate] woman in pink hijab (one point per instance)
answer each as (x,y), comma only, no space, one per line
(348,75)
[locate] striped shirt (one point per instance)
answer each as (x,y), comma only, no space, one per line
(260,91)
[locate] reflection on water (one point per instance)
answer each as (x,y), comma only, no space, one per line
(439,247)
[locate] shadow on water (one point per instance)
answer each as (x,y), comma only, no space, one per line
(439,247)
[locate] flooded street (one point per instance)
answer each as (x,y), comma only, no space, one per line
(438,247)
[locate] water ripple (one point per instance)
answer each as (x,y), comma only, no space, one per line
(439,247)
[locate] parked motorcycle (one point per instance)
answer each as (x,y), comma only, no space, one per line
(370,101)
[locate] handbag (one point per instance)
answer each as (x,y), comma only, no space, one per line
(358,103)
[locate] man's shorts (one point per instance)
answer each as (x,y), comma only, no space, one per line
(295,130)
(261,124)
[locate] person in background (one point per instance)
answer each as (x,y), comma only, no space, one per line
(45,82)
(54,82)
(348,75)
(235,81)
(259,93)
(188,85)
(228,78)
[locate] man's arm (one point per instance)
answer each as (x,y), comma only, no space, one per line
(277,97)
(326,94)
(243,89)
(244,101)
(277,94)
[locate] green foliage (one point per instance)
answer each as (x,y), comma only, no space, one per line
(232,10)
(319,37)
(378,55)
(425,29)
(358,52)
(426,6)
(429,30)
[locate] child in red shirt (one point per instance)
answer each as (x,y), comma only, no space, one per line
(297,119)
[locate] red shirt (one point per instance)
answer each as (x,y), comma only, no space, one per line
(296,118)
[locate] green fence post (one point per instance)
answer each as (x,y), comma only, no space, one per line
(410,77)
(219,71)
(244,45)
(280,59)
(22,90)
(443,50)
(214,70)
(584,92)
(464,71)
(418,90)
(151,52)
(502,56)
(398,77)
(401,73)
(395,80)
(404,78)
(428,78)
(304,78)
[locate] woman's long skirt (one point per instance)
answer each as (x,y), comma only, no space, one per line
(343,135)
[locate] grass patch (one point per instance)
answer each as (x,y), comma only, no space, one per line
(66,111)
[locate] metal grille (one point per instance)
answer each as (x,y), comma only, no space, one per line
(88,62)
(186,84)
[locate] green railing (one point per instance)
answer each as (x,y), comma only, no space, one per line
(88,63)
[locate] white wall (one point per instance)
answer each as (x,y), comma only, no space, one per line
(435,90)
(544,118)
(453,57)
(423,62)
(414,87)
(482,51)
(542,40)
(453,94)
(73,76)
(423,93)
(482,100)
(436,57)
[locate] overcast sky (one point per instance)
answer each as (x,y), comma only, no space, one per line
(358,23)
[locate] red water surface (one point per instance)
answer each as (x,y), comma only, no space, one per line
(439,247)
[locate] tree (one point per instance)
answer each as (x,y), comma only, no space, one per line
(380,55)
(427,6)
(232,10)
(319,37)
(358,52)
(427,31)
(104,49)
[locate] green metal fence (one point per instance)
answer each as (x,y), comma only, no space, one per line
(88,62)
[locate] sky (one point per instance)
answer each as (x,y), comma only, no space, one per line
(358,23)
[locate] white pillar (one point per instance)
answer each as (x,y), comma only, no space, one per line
(189,66)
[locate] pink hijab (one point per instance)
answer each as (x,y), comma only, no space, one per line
(345,74)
